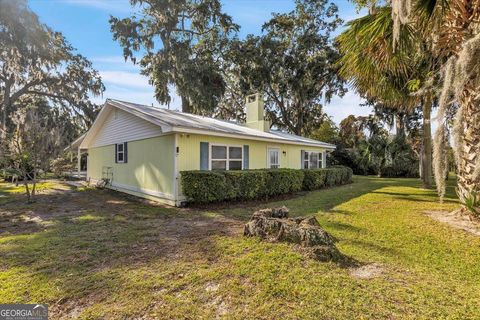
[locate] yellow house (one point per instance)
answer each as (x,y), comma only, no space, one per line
(142,150)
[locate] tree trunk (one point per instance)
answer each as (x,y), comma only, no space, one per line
(3,123)
(399,125)
(5,106)
(468,148)
(420,165)
(299,126)
(427,172)
(34,183)
(27,189)
(186,106)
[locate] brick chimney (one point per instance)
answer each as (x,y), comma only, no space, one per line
(256,113)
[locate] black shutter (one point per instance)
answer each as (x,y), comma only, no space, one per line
(245,157)
(204,155)
(125,152)
(116,152)
(302,157)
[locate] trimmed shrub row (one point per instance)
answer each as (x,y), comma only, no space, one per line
(211,186)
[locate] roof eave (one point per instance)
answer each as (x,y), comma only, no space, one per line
(180,129)
(75,143)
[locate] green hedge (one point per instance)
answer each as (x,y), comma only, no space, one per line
(204,186)
(282,181)
(212,186)
(245,185)
(314,179)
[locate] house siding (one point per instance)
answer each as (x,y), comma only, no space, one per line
(189,151)
(149,172)
(121,126)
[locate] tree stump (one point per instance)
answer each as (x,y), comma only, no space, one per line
(274,225)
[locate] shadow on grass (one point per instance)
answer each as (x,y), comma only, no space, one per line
(337,225)
(427,197)
(323,200)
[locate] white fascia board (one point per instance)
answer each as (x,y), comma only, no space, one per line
(249,137)
(102,115)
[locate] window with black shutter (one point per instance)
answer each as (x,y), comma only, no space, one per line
(121,152)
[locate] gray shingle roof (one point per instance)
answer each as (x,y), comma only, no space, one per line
(180,120)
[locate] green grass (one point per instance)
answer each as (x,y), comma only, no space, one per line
(112,257)
(12,191)
(12,188)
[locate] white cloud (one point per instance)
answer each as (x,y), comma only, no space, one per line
(114,63)
(125,79)
(132,87)
(135,96)
(109,59)
(340,108)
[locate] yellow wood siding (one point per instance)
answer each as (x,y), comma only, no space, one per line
(189,151)
(150,168)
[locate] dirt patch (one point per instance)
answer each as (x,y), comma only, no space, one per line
(212,287)
(96,230)
(172,232)
(456,219)
(368,271)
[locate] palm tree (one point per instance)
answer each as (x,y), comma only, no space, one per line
(452,28)
(387,74)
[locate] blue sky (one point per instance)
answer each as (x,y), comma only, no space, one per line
(85,24)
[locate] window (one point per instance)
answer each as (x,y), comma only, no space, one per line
(273,158)
(312,160)
(121,152)
(235,158)
(226,157)
(219,158)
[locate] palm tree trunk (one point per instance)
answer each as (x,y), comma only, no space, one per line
(426,158)
(468,150)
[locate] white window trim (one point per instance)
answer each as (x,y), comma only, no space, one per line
(319,161)
(269,165)
(227,166)
(122,152)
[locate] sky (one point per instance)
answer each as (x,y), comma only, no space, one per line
(85,25)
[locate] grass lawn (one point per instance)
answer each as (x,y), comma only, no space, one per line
(99,254)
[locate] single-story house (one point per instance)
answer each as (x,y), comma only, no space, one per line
(141,150)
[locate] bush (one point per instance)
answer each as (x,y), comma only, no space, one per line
(338,175)
(407,171)
(204,186)
(245,185)
(282,181)
(211,186)
(352,158)
(61,165)
(380,155)
(314,179)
